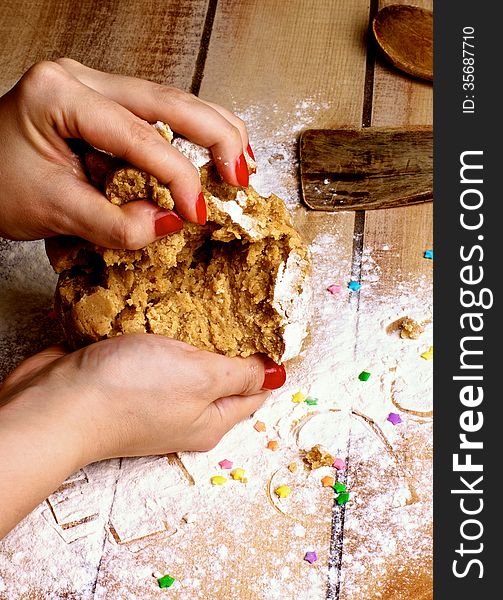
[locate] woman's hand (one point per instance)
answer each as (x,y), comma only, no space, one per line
(127,396)
(44,189)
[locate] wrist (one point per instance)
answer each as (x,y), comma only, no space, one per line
(39,449)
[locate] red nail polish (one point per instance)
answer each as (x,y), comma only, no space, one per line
(201,209)
(250,152)
(166,224)
(242,171)
(275,375)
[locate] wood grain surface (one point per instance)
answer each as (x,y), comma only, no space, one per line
(283,67)
(363,169)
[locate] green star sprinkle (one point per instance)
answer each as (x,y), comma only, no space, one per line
(342,498)
(311,401)
(339,487)
(166,581)
(364,376)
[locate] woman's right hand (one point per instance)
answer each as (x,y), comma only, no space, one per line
(44,188)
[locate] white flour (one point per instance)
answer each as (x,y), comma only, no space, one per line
(146,515)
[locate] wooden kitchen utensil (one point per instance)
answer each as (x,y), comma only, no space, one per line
(405,35)
(361,169)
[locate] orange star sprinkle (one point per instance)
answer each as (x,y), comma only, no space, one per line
(273,445)
(259,426)
(327,481)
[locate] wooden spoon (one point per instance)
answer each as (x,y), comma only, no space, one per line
(405,35)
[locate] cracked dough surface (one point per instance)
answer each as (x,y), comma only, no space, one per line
(237,285)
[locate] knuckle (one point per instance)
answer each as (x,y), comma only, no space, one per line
(142,133)
(67,63)
(122,235)
(172,96)
(252,377)
(233,134)
(41,78)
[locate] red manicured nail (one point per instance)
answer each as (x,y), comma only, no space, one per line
(242,171)
(166,224)
(201,209)
(250,152)
(275,375)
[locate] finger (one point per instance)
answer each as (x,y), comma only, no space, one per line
(34,364)
(226,412)
(241,376)
(88,214)
(109,126)
(185,113)
(240,124)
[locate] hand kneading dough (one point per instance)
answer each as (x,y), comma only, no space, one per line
(237,285)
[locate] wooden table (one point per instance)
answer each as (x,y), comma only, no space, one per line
(283,65)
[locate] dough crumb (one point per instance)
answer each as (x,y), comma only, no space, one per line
(318,457)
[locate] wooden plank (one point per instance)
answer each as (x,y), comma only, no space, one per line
(142,38)
(395,277)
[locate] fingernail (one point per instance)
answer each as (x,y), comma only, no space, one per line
(166,224)
(242,171)
(201,209)
(275,375)
(250,152)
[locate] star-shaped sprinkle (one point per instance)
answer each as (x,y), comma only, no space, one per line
(394,418)
(428,254)
(259,426)
(364,376)
(272,445)
(298,397)
(166,581)
(339,464)
(311,401)
(335,288)
(237,474)
(283,491)
(310,557)
(226,464)
(327,481)
(428,355)
(218,480)
(339,487)
(292,467)
(354,286)
(342,498)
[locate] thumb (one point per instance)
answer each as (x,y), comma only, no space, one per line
(243,376)
(226,412)
(131,226)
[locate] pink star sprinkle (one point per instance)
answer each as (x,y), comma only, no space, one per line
(334,288)
(394,418)
(311,557)
(339,464)
(226,464)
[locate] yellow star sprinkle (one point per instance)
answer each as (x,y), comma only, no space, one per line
(292,467)
(218,480)
(237,474)
(298,397)
(283,491)
(428,355)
